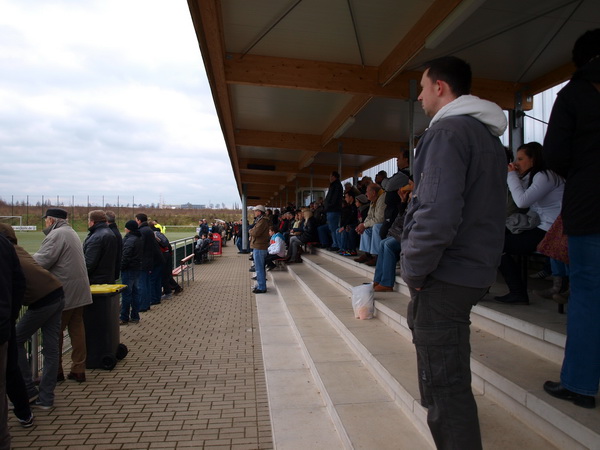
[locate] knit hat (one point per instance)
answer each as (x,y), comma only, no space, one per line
(131,225)
(362,198)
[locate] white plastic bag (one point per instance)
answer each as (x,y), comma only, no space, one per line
(363,301)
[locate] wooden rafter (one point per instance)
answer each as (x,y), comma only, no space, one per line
(414,39)
(312,143)
(206,17)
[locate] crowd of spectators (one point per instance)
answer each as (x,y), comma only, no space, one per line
(54,286)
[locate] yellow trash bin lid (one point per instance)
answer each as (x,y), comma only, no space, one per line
(107,288)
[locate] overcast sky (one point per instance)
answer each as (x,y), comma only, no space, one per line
(107,98)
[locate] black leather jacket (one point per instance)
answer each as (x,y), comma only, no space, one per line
(133,249)
(100,251)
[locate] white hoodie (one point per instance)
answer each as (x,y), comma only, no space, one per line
(488,113)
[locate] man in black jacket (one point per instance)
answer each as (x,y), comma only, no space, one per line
(152,261)
(12,289)
(333,210)
(111,220)
(572,149)
(100,249)
(131,268)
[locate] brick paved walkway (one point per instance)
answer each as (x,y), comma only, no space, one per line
(194,377)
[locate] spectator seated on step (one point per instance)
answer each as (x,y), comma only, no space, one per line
(309,234)
(389,249)
(369,229)
(277,249)
(202,248)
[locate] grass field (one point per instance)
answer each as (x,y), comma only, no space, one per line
(31,240)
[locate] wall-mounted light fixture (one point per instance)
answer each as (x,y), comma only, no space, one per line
(344,127)
(452,22)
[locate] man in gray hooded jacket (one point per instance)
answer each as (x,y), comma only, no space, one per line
(452,242)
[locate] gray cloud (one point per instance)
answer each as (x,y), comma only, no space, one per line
(116,111)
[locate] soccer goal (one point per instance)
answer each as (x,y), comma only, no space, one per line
(17,223)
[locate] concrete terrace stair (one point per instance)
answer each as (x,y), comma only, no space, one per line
(321,394)
(511,358)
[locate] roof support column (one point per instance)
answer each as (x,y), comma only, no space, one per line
(340,153)
(411,121)
(516,133)
(312,174)
(245,243)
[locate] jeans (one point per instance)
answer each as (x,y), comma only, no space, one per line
(130,297)
(295,242)
(144,286)
(259,264)
(347,239)
(559,268)
(389,254)
(438,316)
(370,240)
(581,366)
(48,319)
(155,284)
(333,222)
(324,236)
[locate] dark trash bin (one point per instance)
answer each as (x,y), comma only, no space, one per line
(101,320)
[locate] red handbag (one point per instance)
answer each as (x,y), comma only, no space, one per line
(555,243)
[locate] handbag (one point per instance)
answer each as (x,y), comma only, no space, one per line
(555,242)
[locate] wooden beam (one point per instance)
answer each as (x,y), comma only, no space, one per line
(306,74)
(253,178)
(351,109)
(501,93)
(343,78)
(312,143)
(206,17)
(551,79)
(282,168)
(279,166)
(414,40)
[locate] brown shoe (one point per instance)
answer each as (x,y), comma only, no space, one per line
(375,284)
(372,262)
(364,258)
(382,288)
(79,377)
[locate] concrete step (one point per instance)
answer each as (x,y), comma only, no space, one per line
(507,374)
(299,414)
(362,412)
(537,325)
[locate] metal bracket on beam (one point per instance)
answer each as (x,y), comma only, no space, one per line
(515,116)
(340,153)
(413,96)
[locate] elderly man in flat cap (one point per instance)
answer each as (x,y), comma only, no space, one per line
(61,253)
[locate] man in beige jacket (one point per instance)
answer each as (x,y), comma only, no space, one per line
(369,230)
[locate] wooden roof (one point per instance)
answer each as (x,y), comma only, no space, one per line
(302,84)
